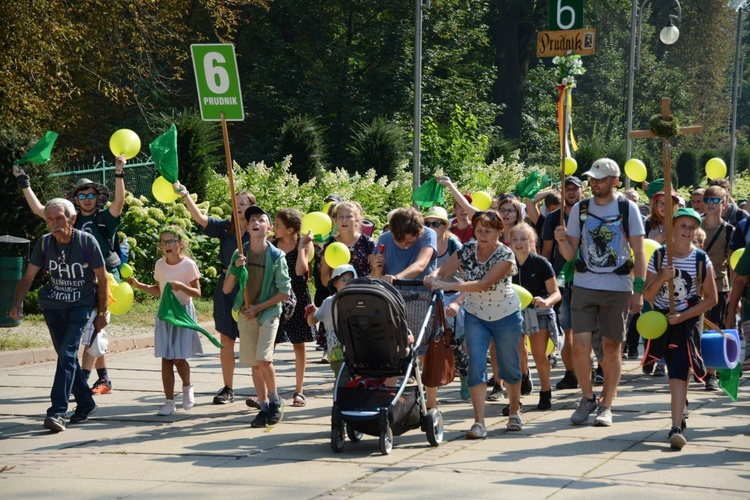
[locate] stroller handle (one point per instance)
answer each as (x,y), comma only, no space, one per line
(411,282)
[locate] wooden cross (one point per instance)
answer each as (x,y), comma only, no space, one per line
(666,158)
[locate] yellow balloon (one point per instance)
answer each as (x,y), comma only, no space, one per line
(236,315)
(126,270)
(524,295)
(327,207)
(317,222)
(550,345)
(716,168)
(125,142)
(123,295)
(651,325)
(571,165)
(337,254)
(163,191)
(735,258)
(649,247)
(636,170)
(481,200)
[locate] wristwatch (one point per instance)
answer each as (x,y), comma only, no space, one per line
(101,313)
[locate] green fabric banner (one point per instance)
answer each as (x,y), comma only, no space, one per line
(428,194)
(531,185)
(164,153)
(729,380)
(173,312)
(241,274)
(41,151)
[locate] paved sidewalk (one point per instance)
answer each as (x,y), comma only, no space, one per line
(125,450)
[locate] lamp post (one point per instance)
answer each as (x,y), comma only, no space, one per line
(736,94)
(420,6)
(668,35)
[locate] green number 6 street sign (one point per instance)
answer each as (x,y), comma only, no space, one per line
(565,14)
(218,82)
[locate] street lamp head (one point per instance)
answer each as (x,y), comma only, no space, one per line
(669,34)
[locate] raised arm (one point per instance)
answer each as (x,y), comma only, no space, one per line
(446,181)
(195,212)
(116,207)
(23,182)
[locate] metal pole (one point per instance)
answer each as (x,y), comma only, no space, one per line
(417,92)
(631,78)
(736,87)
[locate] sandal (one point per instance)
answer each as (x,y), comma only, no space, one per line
(514,423)
(477,431)
(299,400)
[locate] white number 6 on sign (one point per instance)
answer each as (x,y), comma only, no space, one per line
(565,8)
(217,77)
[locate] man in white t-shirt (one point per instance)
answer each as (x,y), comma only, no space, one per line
(605,227)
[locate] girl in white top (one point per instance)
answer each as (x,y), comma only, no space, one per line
(174,345)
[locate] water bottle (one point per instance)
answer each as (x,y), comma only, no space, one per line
(124,250)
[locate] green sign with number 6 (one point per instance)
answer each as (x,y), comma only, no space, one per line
(218,82)
(565,14)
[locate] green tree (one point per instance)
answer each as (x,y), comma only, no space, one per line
(302,139)
(380,145)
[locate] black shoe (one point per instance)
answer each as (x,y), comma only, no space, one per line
(506,409)
(545,400)
(260,420)
(55,423)
(81,414)
(226,395)
(660,370)
(648,369)
(496,394)
(633,355)
(526,384)
(569,381)
(253,402)
(712,383)
(275,412)
(676,438)
(598,376)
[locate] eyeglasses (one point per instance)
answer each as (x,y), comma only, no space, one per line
(434,224)
(168,243)
(507,210)
(708,201)
(84,196)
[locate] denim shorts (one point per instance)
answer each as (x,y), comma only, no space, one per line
(506,332)
(545,321)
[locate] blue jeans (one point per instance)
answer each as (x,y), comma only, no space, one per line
(506,332)
(65,328)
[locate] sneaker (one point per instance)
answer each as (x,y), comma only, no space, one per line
(599,376)
(226,395)
(260,420)
(81,413)
(677,438)
(496,394)
(603,417)
(648,369)
(545,400)
(569,381)
(633,355)
(585,408)
(275,412)
(712,383)
(527,386)
(506,409)
(188,397)
(55,423)
(167,409)
(102,386)
(465,390)
(253,402)
(660,370)
(552,359)
(477,431)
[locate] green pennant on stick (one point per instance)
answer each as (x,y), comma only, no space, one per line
(173,312)
(41,151)
(729,380)
(242,275)
(164,153)
(531,185)
(428,194)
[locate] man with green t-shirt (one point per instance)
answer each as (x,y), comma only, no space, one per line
(92,217)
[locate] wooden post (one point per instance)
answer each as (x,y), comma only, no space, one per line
(666,159)
(563,151)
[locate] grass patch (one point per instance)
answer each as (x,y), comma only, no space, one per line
(13,342)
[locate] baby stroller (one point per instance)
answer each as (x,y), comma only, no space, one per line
(370,320)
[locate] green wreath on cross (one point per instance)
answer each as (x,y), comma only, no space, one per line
(664,128)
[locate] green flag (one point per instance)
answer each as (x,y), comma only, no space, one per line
(241,274)
(729,380)
(428,194)
(41,151)
(531,185)
(164,153)
(173,312)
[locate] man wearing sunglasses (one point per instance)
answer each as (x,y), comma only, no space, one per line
(607,286)
(89,199)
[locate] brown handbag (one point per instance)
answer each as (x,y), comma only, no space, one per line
(439,363)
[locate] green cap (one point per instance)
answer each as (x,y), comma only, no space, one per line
(687,212)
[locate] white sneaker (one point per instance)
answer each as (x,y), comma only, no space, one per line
(188,397)
(167,409)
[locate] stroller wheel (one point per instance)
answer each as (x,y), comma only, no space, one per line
(353,435)
(386,441)
(337,439)
(434,427)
